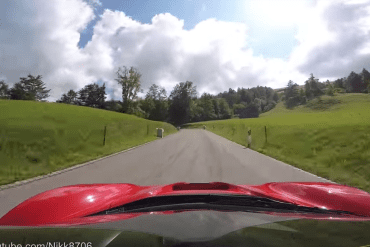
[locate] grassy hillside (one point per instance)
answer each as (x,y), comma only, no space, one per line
(328,137)
(37,138)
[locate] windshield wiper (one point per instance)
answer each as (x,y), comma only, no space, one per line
(215,202)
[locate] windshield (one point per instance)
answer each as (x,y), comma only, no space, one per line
(140,115)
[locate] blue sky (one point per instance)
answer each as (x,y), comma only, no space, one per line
(218,44)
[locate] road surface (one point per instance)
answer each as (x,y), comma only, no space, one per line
(187,156)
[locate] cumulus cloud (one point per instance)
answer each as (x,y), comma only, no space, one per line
(41,37)
(334,39)
(214,54)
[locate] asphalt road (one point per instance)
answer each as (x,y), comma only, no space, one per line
(187,156)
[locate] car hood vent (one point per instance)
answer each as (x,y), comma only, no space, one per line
(201,186)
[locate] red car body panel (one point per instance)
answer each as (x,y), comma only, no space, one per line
(71,205)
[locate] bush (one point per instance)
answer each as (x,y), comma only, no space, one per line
(293,101)
(329,91)
(322,104)
(339,90)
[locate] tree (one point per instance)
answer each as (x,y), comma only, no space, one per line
(258,103)
(354,83)
(29,88)
(251,111)
(196,111)
(216,106)
(313,87)
(17,92)
(275,97)
(339,83)
(366,79)
(113,105)
(155,103)
(181,98)
(224,109)
(208,111)
(129,79)
(245,96)
(92,95)
(291,95)
(156,93)
(4,90)
(69,98)
(232,97)
(35,87)
(329,90)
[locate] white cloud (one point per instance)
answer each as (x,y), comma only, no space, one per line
(42,38)
(334,39)
(214,55)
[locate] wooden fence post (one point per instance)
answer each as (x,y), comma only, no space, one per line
(105,132)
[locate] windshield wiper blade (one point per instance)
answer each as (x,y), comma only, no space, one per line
(215,202)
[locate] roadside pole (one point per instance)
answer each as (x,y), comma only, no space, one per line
(249,137)
(105,132)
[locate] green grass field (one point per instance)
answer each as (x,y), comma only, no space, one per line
(37,138)
(330,137)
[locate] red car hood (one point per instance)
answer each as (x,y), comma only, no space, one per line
(72,205)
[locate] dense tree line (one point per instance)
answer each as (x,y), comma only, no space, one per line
(182,105)
(354,83)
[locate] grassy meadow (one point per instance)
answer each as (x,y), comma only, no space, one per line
(37,138)
(329,137)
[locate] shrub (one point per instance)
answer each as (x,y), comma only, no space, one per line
(322,104)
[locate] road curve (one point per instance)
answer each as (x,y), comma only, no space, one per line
(187,156)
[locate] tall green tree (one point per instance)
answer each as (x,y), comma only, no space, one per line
(69,98)
(18,92)
(365,76)
(329,90)
(275,97)
(354,83)
(92,95)
(129,79)
(29,88)
(245,96)
(156,103)
(232,97)
(224,110)
(208,110)
(313,87)
(4,90)
(339,83)
(181,97)
(291,95)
